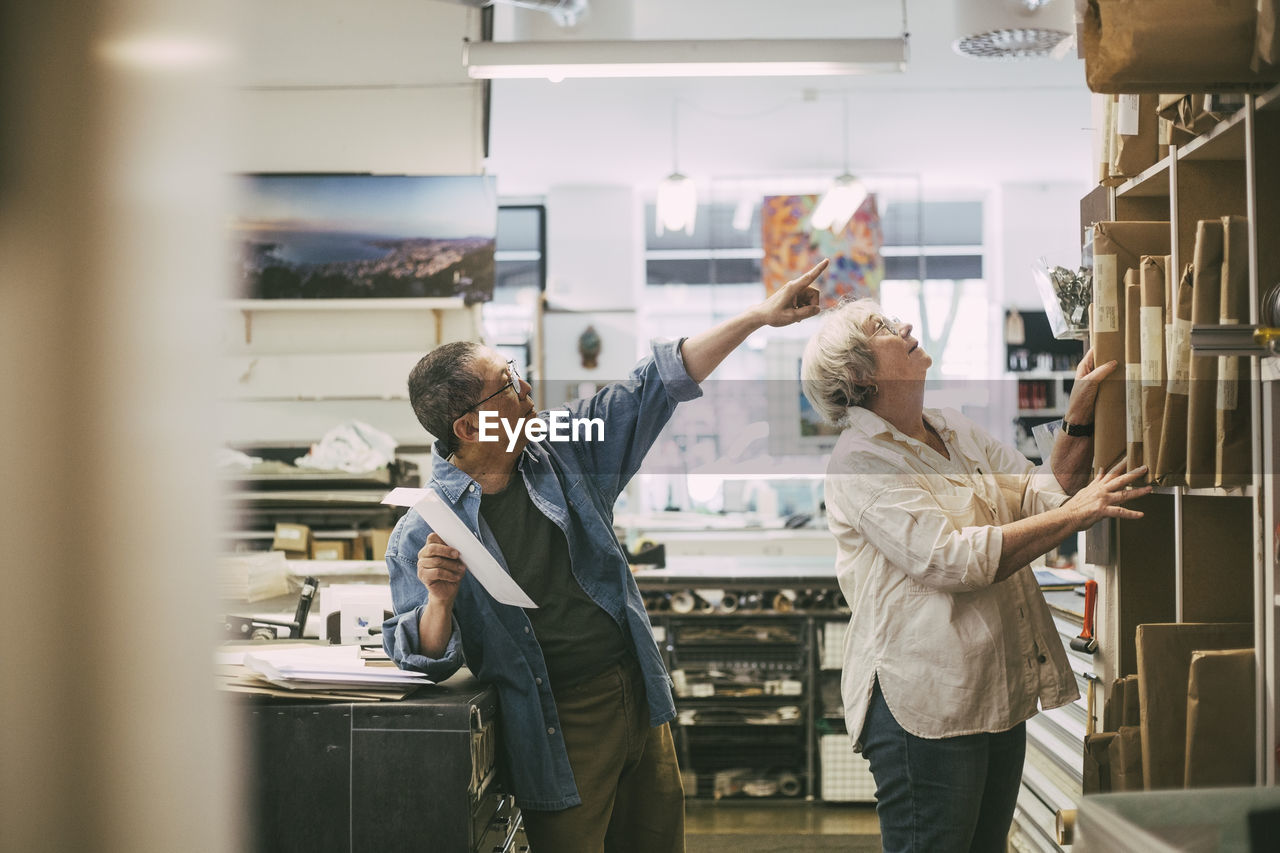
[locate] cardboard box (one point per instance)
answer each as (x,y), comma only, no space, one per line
(378,539)
(1164,665)
(293,539)
(1117,248)
(329,549)
(1173,46)
(358,547)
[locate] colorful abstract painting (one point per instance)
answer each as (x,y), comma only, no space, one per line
(791,247)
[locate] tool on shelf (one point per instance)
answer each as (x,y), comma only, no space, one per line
(1234,340)
(1086,642)
(249,628)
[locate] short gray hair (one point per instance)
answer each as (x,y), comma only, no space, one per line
(838,363)
(441,385)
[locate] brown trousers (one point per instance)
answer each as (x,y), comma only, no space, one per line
(625,770)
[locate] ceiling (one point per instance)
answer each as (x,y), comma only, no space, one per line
(956,121)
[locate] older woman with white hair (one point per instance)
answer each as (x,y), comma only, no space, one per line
(951,645)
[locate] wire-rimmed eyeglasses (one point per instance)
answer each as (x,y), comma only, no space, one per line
(893,324)
(513,382)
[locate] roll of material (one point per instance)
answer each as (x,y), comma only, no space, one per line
(784,601)
(683,601)
(728,602)
(762,787)
(789,785)
(1066,824)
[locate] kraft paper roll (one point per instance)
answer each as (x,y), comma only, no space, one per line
(1206,292)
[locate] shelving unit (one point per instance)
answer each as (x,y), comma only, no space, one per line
(1197,555)
(748,691)
(335,504)
(1048,394)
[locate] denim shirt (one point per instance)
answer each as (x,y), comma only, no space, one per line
(575,485)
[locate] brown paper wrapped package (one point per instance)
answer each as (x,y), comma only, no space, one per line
(1220,719)
(1171,462)
(1151,343)
(1132,371)
(1234,455)
(1117,248)
(1135,152)
(1097,762)
(1164,664)
(1127,771)
(1179,45)
(1192,115)
(1206,293)
(1267,45)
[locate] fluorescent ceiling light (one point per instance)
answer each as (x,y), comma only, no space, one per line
(557,60)
(839,204)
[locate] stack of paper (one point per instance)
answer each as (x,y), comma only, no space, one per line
(253,577)
(1058,578)
(315,671)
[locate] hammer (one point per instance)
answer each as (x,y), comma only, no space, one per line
(1085,642)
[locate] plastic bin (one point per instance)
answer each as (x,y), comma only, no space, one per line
(1202,819)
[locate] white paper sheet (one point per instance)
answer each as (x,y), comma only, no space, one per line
(454,532)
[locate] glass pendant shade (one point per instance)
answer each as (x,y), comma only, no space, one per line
(677,204)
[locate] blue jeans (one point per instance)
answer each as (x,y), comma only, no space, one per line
(948,794)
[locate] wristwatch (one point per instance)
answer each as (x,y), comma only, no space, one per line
(1082,430)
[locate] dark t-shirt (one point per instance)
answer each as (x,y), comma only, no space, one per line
(578,638)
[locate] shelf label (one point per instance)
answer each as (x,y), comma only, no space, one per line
(1228,376)
(1151,334)
(1133,402)
(1127,114)
(1106,294)
(1180,355)
(1228,389)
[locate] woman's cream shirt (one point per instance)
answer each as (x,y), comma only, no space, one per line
(918,541)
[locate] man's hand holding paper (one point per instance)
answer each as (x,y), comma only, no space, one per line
(440,569)
(450,536)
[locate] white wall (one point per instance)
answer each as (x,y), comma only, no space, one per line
(595,248)
(1036,220)
(332,86)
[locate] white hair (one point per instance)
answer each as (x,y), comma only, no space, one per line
(837,366)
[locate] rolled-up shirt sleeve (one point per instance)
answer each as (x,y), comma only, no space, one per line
(633,412)
(400,634)
(935,541)
(401,641)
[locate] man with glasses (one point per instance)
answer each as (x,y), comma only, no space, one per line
(585,699)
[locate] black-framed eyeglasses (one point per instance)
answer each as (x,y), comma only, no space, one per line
(513,382)
(893,324)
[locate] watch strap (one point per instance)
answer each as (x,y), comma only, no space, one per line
(1082,430)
